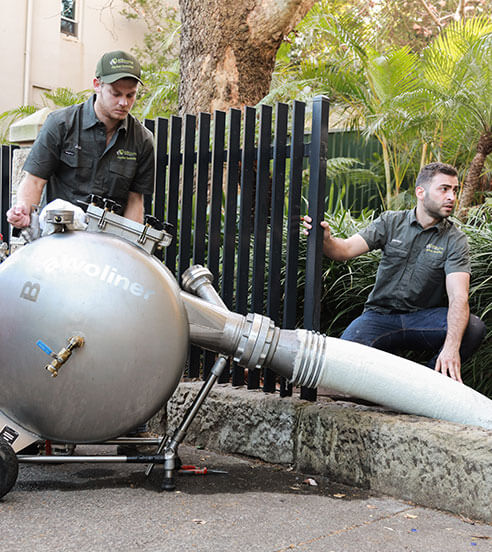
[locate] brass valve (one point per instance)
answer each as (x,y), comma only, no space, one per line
(61,357)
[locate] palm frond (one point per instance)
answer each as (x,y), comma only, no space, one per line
(64,97)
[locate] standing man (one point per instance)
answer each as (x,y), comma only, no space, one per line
(95,147)
(425,257)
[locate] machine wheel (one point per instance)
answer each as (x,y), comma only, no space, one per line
(9,468)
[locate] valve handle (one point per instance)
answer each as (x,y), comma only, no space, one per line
(96,200)
(168,227)
(109,204)
(153,222)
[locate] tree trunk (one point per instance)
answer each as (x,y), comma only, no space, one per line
(472,180)
(228,50)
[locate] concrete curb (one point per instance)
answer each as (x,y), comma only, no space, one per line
(432,463)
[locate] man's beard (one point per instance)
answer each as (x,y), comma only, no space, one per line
(432,209)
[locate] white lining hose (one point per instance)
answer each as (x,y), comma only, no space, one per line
(386,379)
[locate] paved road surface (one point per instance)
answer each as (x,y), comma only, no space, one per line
(255,507)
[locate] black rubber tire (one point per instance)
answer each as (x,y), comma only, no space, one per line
(9,468)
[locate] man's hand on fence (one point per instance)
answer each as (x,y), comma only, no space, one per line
(306,222)
(338,249)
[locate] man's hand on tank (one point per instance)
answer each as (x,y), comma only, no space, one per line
(19,216)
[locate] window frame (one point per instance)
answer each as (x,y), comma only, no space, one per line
(69,22)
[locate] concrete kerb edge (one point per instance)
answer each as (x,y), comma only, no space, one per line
(432,463)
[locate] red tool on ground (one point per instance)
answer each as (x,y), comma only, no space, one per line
(194,470)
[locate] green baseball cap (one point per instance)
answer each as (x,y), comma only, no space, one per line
(117,65)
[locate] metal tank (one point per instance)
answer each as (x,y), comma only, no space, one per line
(94,338)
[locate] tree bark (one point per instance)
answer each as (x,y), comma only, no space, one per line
(228,50)
(472,181)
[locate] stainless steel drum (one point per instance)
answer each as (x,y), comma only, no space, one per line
(111,312)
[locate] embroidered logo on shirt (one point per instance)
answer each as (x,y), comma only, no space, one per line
(126,155)
(434,249)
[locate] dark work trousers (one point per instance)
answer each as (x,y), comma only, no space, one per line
(424,330)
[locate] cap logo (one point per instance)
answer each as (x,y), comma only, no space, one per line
(122,63)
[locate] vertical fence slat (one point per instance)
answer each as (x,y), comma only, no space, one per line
(187,195)
(245,210)
(277,213)
(185,220)
(293,220)
(230,216)
(215,218)
(263,189)
(161,158)
(316,197)
(230,210)
(203,162)
(294,213)
(274,290)
(244,226)
(173,189)
(150,124)
(200,221)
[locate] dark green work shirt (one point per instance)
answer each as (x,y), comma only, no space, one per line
(70,152)
(415,262)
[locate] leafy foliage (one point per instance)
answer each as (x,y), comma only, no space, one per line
(158,57)
(458,79)
(60,97)
(478,229)
(9,117)
(64,97)
(421,106)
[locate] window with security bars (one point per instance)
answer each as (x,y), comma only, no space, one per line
(68,22)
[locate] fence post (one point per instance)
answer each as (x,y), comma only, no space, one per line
(186,208)
(230,208)
(173,189)
(274,289)
(161,161)
(262,203)
(214,222)
(150,125)
(202,163)
(316,198)
(294,213)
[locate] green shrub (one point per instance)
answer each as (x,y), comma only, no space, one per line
(477,372)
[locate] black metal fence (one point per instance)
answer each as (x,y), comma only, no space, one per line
(231,185)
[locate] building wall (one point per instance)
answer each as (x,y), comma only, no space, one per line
(36,56)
